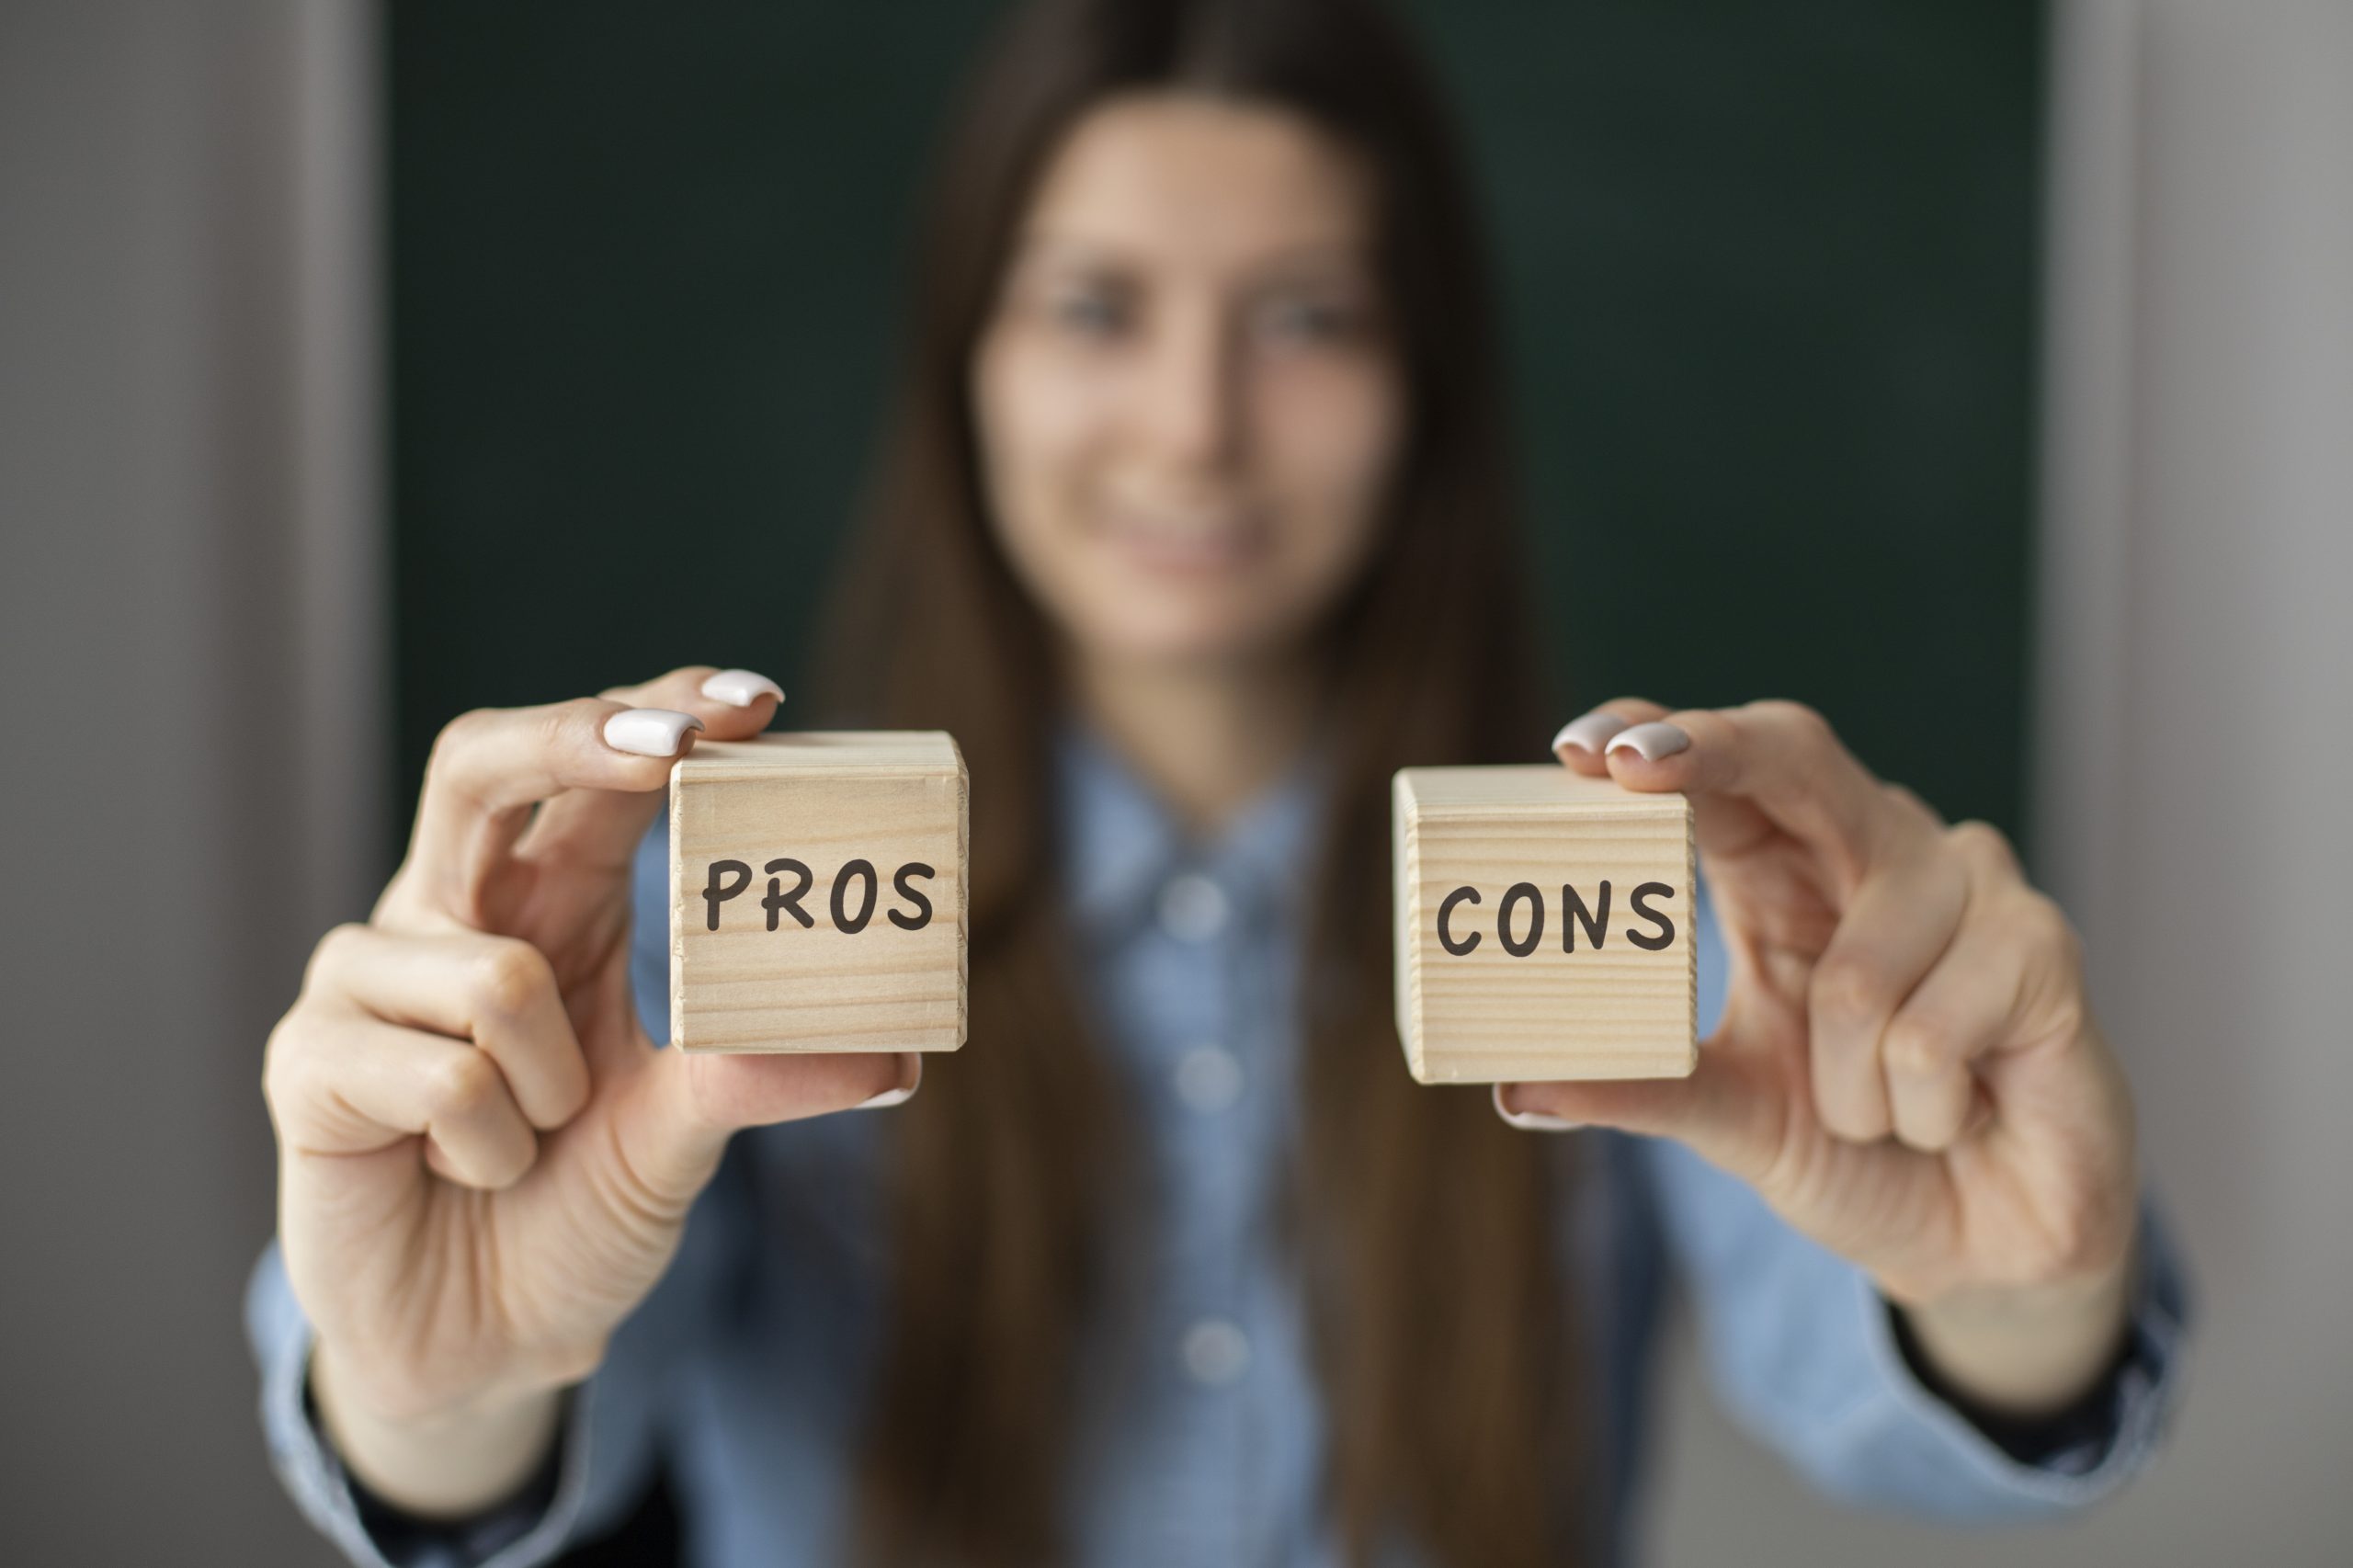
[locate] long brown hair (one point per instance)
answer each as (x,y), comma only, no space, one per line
(1423,1226)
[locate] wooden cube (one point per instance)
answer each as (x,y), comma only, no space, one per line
(1544,926)
(817,894)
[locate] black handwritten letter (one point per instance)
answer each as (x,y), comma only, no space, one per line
(1512,896)
(922,917)
(842,922)
(1445,907)
(1665,926)
(778,898)
(714,895)
(1595,921)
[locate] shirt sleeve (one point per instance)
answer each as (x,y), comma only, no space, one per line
(612,1422)
(1807,1355)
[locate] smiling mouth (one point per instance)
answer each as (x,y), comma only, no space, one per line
(1195,544)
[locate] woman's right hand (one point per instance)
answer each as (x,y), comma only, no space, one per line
(483,1163)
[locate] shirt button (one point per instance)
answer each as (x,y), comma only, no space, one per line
(1215,1352)
(1208,1078)
(1192,907)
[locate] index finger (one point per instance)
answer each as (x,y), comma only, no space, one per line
(491,767)
(601,827)
(1765,765)
(593,768)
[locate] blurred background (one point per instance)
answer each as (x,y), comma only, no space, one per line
(1981,374)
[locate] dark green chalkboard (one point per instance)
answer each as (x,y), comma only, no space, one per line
(1769,274)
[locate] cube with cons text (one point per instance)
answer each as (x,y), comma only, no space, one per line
(817,894)
(1544,926)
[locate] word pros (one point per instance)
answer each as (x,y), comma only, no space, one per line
(809,834)
(727,878)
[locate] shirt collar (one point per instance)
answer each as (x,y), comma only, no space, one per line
(1121,844)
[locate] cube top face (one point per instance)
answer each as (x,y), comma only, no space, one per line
(837,752)
(817,894)
(1511,967)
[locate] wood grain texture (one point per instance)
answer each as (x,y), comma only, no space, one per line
(891,798)
(1615,1010)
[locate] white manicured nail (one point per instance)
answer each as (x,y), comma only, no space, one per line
(741,688)
(1532,1120)
(649,731)
(1588,734)
(894,1096)
(1652,740)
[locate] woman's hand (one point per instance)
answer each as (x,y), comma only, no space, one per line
(1907,1069)
(484,1164)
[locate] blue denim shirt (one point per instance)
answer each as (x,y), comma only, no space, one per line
(747,1365)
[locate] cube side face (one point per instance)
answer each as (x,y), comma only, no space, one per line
(880,965)
(1561,1006)
(1406,919)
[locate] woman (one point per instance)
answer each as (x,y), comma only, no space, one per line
(1195,527)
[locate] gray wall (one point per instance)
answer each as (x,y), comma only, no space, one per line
(191,636)
(2193,744)
(189,656)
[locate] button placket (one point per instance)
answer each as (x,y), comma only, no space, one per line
(1193,908)
(1214,1351)
(1208,1078)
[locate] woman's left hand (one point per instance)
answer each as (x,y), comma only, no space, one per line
(1907,1069)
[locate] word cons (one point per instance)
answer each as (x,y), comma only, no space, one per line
(1575,912)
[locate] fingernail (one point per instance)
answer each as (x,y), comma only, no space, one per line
(900,1094)
(649,731)
(741,688)
(1652,740)
(1589,733)
(1532,1120)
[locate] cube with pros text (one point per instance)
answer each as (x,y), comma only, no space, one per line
(1544,926)
(817,894)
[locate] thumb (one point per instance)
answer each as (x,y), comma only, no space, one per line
(672,1118)
(1719,1112)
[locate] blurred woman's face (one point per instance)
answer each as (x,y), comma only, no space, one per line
(1187,398)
